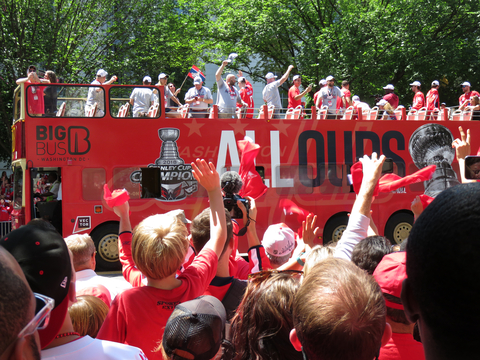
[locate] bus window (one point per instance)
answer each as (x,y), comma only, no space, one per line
(17,106)
(93,180)
(122,180)
(145,102)
(18,188)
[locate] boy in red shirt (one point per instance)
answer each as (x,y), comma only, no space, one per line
(419,98)
(159,245)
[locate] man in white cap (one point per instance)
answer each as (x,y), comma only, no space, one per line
(271,95)
(96,95)
(294,94)
(322,84)
(162,81)
(419,98)
(467,94)
(433,100)
(390,96)
(358,106)
(142,98)
(246,93)
(279,243)
(198,97)
(228,95)
(328,95)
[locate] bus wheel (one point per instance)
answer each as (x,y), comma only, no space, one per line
(398,227)
(334,229)
(106,244)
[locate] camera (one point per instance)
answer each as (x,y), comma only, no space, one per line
(230,203)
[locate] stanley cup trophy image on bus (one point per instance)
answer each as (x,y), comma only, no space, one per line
(169,173)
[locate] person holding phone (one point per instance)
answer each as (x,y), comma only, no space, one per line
(294,94)
(35,101)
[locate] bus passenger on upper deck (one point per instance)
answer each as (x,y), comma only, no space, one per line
(271,95)
(294,94)
(329,95)
(162,81)
(96,95)
(50,94)
(390,96)
(35,103)
(198,97)
(322,83)
(433,100)
(386,111)
(467,94)
(228,95)
(419,98)
(358,106)
(142,99)
(246,93)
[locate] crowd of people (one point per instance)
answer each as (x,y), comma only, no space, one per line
(190,295)
(42,101)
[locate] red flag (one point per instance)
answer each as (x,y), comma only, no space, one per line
(391,182)
(117,198)
(290,207)
(426,200)
(253,185)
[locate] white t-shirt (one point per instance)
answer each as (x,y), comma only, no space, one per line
(95,96)
(88,278)
(227,98)
(142,99)
(86,348)
(204,93)
(271,95)
(329,98)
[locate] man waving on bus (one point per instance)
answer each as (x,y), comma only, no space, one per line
(96,95)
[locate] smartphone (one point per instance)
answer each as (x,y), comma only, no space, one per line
(472,167)
(387,167)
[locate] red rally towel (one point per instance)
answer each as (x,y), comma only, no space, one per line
(253,185)
(390,182)
(117,198)
(426,200)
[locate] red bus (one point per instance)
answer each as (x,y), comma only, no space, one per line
(304,160)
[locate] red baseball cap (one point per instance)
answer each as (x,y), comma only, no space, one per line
(389,274)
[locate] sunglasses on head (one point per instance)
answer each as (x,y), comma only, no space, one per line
(32,69)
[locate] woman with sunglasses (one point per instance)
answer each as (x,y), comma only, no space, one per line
(35,102)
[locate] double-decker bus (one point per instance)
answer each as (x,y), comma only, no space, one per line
(304,159)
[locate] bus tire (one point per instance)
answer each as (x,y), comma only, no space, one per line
(398,227)
(334,228)
(106,243)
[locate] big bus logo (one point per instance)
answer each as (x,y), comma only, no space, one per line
(58,140)
(176,178)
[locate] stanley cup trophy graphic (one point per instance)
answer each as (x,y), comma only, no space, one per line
(169,150)
(176,178)
(431,144)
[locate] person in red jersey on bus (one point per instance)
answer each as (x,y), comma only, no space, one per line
(419,98)
(467,94)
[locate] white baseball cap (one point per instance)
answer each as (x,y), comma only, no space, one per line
(389,87)
(416,83)
(356,98)
(435,83)
(466,83)
(102,73)
(270,76)
(162,76)
(296,77)
(330,77)
(147,78)
(322,82)
(279,240)
(382,102)
(197,80)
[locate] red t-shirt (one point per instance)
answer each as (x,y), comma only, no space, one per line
(315,96)
(467,96)
(433,100)
(392,98)
(418,100)
(347,94)
(292,92)
(138,316)
(402,347)
(246,94)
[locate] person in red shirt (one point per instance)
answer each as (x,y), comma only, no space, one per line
(246,93)
(159,245)
(294,94)
(419,98)
(433,100)
(390,96)
(467,94)
(322,84)
(346,91)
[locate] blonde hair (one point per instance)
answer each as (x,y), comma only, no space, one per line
(82,248)
(159,245)
(318,253)
(88,315)
(477,99)
(388,108)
